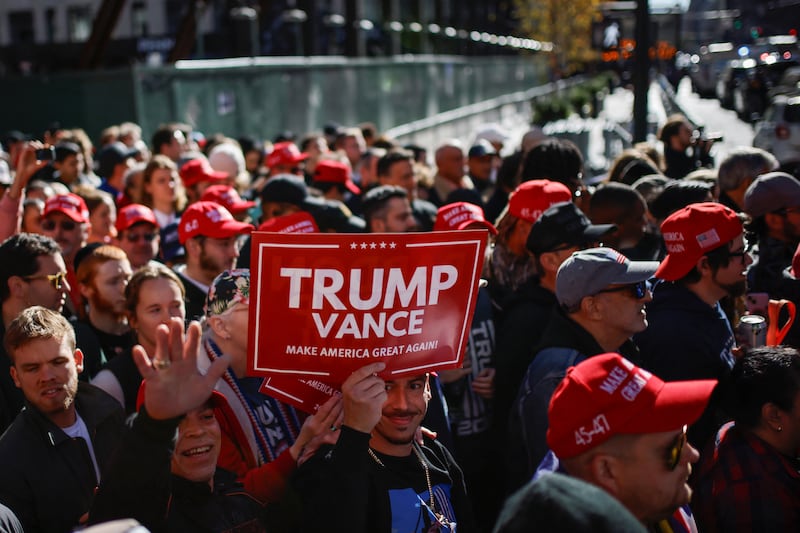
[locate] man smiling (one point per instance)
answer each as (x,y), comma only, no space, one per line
(377,478)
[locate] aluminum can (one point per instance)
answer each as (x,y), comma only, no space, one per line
(753,330)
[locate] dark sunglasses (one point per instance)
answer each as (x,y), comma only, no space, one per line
(148,237)
(638,290)
(56,280)
(676,450)
(66,225)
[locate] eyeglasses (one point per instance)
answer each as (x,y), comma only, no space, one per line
(676,450)
(741,254)
(66,225)
(56,280)
(134,237)
(638,290)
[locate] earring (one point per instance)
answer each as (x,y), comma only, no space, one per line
(780,428)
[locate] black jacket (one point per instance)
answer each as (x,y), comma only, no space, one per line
(11,398)
(139,485)
(526,317)
(343,489)
(195,299)
(564,344)
(48,478)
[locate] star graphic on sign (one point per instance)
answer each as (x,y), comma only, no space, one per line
(363,246)
(392,245)
(372,246)
(383,245)
(353,246)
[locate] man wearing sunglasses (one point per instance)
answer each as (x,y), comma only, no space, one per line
(623,429)
(66,220)
(689,336)
(602,296)
(32,272)
(137,234)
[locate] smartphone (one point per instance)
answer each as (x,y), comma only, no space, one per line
(46,154)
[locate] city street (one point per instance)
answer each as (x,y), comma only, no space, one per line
(716,119)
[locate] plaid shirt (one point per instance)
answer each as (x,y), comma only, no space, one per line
(746,485)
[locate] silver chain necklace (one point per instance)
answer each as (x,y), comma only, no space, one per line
(440,517)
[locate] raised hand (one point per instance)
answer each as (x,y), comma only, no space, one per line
(174,385)
(364,394)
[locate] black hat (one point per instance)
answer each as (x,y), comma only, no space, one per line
(112,155)
(564,223)
(556,503)
(285,188)
(481,148)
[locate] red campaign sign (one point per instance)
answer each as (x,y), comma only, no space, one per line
(306,394)
(323,305)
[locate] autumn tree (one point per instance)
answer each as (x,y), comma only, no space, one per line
(565,23)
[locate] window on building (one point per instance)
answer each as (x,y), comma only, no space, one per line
(21,25)
(79,23)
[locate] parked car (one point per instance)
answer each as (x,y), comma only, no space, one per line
(706,65)
(750,94)
(789,82)
(734,73)
(779,130)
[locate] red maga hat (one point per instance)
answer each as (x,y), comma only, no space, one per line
(285,153)
(133,214)
(336,172)
(226,196)
(692,232)
(209,219)
(69,204)
(461,215)
(532,198)
(607,395)
(199,170)
(300,222)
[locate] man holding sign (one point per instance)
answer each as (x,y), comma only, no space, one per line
(378,477)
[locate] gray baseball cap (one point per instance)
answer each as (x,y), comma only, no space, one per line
(771,192)
(587,272)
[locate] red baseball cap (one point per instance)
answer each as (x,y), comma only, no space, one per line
(461,215)
(532,198)
(300,222)
(133,214)
(69,204)
(607,395)
(336,172)
(285,153)
(209,219)
(692,232)
(226,195)
(199,170)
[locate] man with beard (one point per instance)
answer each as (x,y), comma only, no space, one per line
(210,235)
(54,453)
(377,477)
(689,335)
(103,333)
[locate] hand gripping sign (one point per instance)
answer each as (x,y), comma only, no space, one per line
(323,305)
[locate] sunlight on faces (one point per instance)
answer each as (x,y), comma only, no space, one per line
(41,290)
(162,186)
(733,278)
(197,446)
(70,235)
(106,292)
(159,300)
(134,242)
(405,407)
(217,255)
(46,370)
(646,486)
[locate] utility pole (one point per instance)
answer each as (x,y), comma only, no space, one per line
(641,71)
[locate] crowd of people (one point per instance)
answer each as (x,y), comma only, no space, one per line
(605,384)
